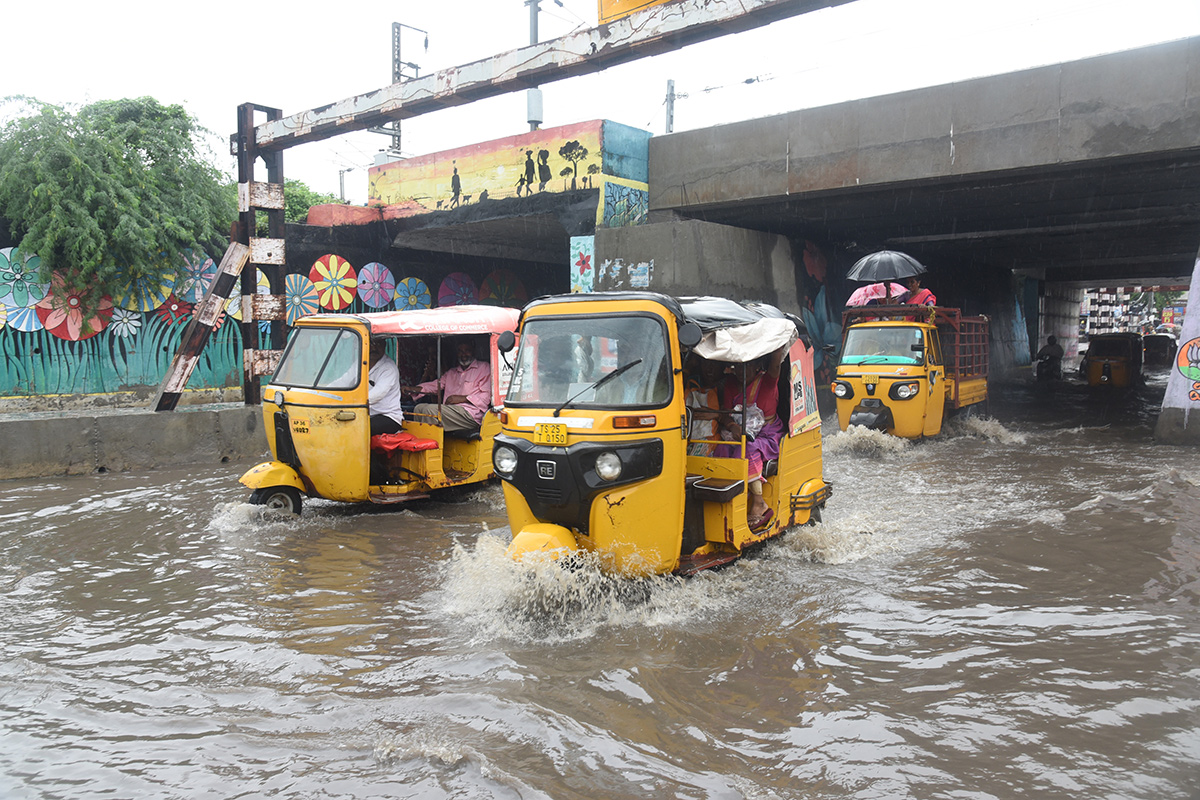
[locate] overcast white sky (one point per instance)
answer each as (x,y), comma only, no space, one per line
(211,56)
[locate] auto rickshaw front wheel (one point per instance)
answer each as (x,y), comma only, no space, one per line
(282,498)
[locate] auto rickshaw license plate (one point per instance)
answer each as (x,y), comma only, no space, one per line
(870,380)
(550,433)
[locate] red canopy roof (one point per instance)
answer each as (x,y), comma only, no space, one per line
(448,320)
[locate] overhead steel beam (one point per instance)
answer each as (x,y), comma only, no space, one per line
(655,30)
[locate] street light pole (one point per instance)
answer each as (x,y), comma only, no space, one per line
(533,97)
(342,182)
(398,65)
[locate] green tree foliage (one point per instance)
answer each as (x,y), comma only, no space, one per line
(297,199)
(103,195)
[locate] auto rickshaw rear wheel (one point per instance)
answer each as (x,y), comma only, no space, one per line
(282,498)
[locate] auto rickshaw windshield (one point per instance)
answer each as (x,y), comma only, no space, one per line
(882,345)
(320,358)
(569,358)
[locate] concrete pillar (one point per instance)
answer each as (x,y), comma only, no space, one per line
(1179,421)
(689,257)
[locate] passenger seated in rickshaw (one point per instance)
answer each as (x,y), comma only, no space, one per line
(703,388)
(466,390)
(383,393)
(761,391)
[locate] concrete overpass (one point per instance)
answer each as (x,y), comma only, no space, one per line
(1084,173)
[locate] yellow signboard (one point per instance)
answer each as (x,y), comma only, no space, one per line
(613,10)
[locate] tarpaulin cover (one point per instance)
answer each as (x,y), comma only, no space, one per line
(738,332)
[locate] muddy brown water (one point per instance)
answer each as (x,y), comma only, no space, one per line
(1007,611)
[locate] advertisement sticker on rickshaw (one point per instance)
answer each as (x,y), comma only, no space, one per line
(805,415)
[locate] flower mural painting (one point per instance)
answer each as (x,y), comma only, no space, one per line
(145,294)
(457,289)
(125,323)
(376,286)
(64,314)
(503,288)
(20,286)
(300,297)
(336,282)
(413,293)
(174,310)
(196,273)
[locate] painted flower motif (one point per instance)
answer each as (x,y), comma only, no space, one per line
(125,323)
(145,294)
(336,282)
(584,263)
(376,286)
(412,293)
(174,310)
(502,288)
(64,314)
(457,289)
(19,284)
(3,315)
(196,274)
(300,297)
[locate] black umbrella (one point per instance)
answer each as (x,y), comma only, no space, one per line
(886,265)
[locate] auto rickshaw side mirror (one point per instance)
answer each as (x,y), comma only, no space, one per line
(506,342)
(690,334)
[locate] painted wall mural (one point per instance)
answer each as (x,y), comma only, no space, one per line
(50,346)
(551,160)
(583,256)
(598,154)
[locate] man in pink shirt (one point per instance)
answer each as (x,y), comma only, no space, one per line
(467,388)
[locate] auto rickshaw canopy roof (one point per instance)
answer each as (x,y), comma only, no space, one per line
(445,321)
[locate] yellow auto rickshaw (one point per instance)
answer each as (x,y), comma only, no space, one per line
(903,369)
(1113,360)
(317,418)
(597,452)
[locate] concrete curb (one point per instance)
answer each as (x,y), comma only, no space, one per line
(81,442)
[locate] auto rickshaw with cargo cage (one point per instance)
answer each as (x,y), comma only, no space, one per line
(316,414)
(903,369)
(597,452)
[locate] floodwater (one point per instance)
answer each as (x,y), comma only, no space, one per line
(1010,610)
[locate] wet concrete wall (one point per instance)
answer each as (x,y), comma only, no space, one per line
(688,257)
(82,442)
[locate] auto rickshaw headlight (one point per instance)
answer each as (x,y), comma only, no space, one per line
(504,458)
(903,391)
(608,466)
(842,390)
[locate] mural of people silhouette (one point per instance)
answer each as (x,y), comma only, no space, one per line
(455,188)
(530,168)
(543,167)
(574,152)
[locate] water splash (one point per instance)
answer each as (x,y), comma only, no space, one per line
(859,440)
(982,428)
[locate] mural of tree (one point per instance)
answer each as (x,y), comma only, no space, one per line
(574,152)
(593,169)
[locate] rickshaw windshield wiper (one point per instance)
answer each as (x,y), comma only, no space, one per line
(598,383)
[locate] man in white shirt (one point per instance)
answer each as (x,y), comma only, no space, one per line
(383,394)
(467,388)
